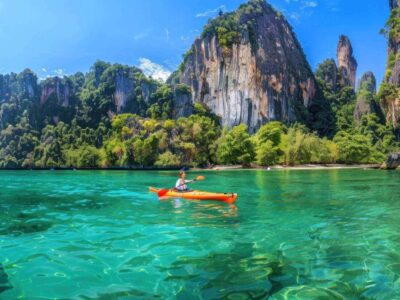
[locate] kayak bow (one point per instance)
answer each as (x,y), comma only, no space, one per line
(199,195)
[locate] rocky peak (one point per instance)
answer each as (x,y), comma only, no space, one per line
(124,85)
(366,100)
(346,61)
(29,83)
(328,73)
(22,85)
(367,83)
(59,88)
(248,67)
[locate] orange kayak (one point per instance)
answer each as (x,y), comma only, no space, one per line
(199,195)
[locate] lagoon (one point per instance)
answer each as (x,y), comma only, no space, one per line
(326,234)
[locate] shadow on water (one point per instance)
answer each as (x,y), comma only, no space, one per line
(25,227)
(4,282)
(25,223)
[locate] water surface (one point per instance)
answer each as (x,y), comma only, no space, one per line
(329,234)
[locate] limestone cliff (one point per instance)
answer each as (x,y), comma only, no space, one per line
(390,89)
(366,92)
(248,67)
(346,62)
(22,85)
(125,86)
(367,83)
(59,88)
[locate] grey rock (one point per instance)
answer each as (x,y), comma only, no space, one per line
(395,76)
(346,62)
(61,88)
(393,4)
(366,91)
(183,105)
(367,83)
(124,87)
(392,162)
(391,107)
(264,76)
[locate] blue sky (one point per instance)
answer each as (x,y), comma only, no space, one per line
(64,36)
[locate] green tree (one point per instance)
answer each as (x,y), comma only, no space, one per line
(167,159)
(267,154)
(236,147)
(146,151)
(353,148)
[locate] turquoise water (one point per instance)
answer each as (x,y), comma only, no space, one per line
(292,235)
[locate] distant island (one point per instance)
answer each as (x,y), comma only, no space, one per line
(244,94)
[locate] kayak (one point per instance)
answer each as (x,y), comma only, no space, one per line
(199,195)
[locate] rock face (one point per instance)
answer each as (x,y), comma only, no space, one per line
(393,4)
(22,85)
(183,105)
(392,162)
(367,83)
(262,75)
(346,61)
(59,88)
(390,100)
(366,103)
(125,85)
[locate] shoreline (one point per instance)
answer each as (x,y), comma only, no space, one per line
(297,167)
(213,168)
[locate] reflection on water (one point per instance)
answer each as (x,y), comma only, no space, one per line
(292,235)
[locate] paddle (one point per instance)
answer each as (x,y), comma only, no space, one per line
(163,192)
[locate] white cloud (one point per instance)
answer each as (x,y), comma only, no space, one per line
(294,16)
(307,4)
(140,36)
(154,70)
(167,34)
(298,9)
(44,70)
(210,12)
(59,72)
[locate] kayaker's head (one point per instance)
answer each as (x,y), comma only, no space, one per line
(182,174)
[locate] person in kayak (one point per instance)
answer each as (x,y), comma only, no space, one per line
(181,185)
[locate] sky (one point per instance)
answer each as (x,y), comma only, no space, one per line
(57,37)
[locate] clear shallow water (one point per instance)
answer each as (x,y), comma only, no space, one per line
(294,235)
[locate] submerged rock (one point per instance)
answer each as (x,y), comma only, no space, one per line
(4,282)
(26,227)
